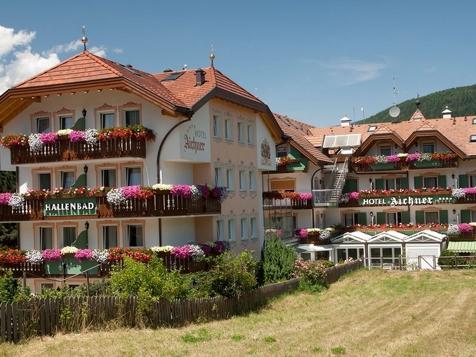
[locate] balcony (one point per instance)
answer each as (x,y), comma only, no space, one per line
(65,150)
(283,199)
(409,162)
(95,205)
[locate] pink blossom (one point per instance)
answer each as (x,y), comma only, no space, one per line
(413,157)
(4,198)
(305,196)
(465,227)
(76,136)
(354,195)
(131,191)
(83,254)
(469,190)
(49,138)
(51,254)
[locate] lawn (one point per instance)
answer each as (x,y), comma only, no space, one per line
(367,313)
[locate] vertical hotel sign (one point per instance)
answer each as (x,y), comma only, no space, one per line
(194,143)
(70,207)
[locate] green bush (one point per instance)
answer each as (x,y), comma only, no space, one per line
(10,288)
(312,274)
(277,261)
(450,261)
(327,263)
(229,276)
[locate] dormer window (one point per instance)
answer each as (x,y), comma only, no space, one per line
(372,128)
(472,139)
(474,121)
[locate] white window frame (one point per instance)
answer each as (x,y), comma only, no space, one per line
(242,178)
(254,227)
(217,131)
(231,230)
(230,179)
(64,117)
(62,232)
(219,176)
(229,129)
(252,180)
(244,228)
(41,233)
(241,132)
(62,178)
(102,171)
(250,132)
(220,230)
(128,171)
(105,239)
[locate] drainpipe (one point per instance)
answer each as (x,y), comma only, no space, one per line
(159,178)
(312,188)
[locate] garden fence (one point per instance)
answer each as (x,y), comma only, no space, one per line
(47,316)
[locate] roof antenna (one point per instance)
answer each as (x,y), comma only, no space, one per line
(394,111)
(84,40)
(212,56)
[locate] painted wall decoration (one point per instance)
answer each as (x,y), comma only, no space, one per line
(265,153)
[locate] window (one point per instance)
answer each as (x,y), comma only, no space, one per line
(432,217)
(350,219)
(472,183)
(44,181)
(252,179)
(244,228)
(216,126)
(109,237)
(108,177)
(65,122)
(346,253)
(43,125)
(228,129)
(133,176)
(392,184)
(107,120)
(393,218)
(241,132)
(242,176)
(251,139)
(254,227)
(218,176)
(230,180)
(474,121)
(231,230)
(284,225)
(134,235)
(472,138)
(428,148)
(220,230)
(473,216)
(372,128)
(387,151)
(131,117)
(46,286)
(69,236)
(387,255)
(431,181)
(46,238)
(67,179)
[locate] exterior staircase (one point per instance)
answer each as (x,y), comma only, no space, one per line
(329,197)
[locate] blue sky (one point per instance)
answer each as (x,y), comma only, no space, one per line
(314,61)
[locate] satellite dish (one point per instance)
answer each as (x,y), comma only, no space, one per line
(394,111)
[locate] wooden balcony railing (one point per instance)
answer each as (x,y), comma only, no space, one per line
(404,165)
(287,202)
(64,150)
(161,204)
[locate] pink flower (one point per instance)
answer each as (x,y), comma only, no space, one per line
(305,196)
(76,136)
(49,138)
(131,191)
(354,195)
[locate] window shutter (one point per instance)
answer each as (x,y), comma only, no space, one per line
(350,186)
(420,217)
(444,216)
(418,182)
(463,181)
(362,218)
(404,183)
(442,181)
(380,217)
(465,216)
(405,217)
(379,184)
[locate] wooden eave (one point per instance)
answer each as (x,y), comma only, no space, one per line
(372,139)
(417,135)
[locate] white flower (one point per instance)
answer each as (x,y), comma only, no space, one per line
(35,143)
(64,132)
(16,200)
(324,234)
(312,230)
(453,230)
(161,186)
(68,250)
(458,193)
(91,136)
(34,256)
(165,248)
(115,196)
(101,256)
(195,193)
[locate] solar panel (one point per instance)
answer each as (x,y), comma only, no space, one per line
(329,142)
(341,141)
(354,140)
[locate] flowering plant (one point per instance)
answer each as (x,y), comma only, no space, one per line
(313,230)
(380,159)
(284,160)
(69,250)
(465,228)
(425,157)
(393,158)
(165,248)
(453,229)
(412,157)
(83,254)
(12,256)
(162,187)
(458,193)
(366,160)
(51,254)
(137,131)
(16,200)
(305,196)
(325,234)
(10,140)
(116,196)
(99,255)
(34,256)
(312,271)
(301,233)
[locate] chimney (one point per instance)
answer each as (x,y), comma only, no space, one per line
(446,113)
(200,77)
(345,121)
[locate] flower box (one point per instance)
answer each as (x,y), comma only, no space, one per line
(383,166)
(73,267)
(431,163)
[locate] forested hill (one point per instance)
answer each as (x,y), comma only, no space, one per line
(461,101)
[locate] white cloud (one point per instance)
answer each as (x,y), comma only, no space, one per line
(117,50)
(18,62)
(350,71)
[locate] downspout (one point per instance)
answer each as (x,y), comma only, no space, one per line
(159,178)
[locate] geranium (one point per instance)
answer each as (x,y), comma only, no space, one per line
(453,229)
(83,254)
(412,157)
(465,228)
(51,254)
(16,200)
(10,140)
(139,255)
(305,196)
(130,191)
(12,256)
(5,198)
(301,233)
(34,256)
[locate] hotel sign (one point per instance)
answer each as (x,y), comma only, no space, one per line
(70,207)
(397,201)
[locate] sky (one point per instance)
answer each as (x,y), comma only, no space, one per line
(314,61)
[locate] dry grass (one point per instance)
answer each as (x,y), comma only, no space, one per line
(368,313)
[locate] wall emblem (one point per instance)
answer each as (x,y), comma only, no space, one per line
(265,153)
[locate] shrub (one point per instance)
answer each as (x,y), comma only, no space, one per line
(277,261)
(450,262)
(312,274)
(9,286)
(327,263)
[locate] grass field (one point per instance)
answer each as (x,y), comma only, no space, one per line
(367,313)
